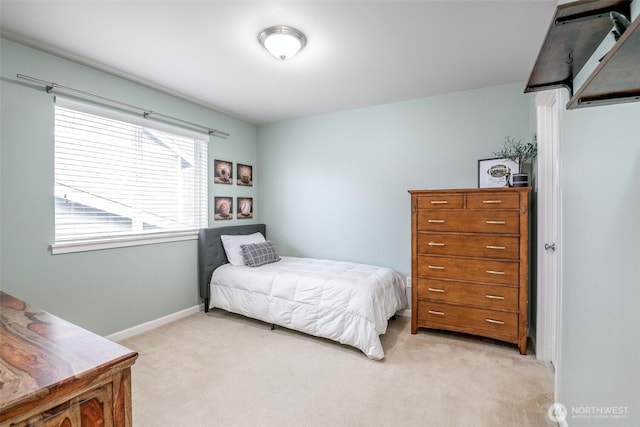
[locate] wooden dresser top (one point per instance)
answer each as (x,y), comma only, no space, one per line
(472,190)
(42,356)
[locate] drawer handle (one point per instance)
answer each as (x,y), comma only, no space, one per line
(502,273)
(497,322)
(492,202)
(494,296)
(436,267)
(436,290)
(496,222)
(436,221)
(438,313)
(439,202)
(498,248)
(435,244)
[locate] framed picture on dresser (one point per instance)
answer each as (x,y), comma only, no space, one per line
(496,172)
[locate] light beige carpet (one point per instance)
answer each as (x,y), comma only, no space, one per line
(220,369)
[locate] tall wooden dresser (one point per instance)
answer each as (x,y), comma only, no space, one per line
(56,374)
(469,262)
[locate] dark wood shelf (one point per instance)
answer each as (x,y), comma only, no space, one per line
(575,33)
(616,79)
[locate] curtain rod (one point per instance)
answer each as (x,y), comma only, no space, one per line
(49,86)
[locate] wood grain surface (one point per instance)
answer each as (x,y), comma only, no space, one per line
(46,362)
(469,261)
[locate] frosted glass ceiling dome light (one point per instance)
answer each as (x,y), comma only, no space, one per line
(282,42)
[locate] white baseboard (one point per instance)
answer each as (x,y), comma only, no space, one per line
(152,324)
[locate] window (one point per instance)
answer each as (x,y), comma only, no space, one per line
(119,179)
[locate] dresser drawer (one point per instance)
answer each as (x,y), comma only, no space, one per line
(70,417)
(507,222)
(485,246)
(447,201)
(489,271)
(489,296)
(496,324)
(493,201)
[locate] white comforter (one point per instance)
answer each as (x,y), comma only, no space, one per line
(345,302)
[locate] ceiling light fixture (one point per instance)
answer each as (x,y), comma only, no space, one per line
(282,42)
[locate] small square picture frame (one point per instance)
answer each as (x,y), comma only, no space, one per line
(223,208)
(244,207)
(222,172)
(244,175)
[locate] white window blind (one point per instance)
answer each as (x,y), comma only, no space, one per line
(117,178)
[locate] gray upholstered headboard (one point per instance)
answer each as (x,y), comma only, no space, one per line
(211,254)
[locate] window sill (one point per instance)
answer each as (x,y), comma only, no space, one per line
(121,242)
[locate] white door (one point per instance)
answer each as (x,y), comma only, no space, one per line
(549,105)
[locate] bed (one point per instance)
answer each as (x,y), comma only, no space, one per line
(346,302)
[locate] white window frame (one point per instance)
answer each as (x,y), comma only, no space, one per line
(128,240)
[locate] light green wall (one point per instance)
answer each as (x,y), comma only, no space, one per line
(599,364)
(110,290)
(600,176)
(336,185)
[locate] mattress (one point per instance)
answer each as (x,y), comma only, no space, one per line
(346,302)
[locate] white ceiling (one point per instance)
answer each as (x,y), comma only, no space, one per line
(358,54)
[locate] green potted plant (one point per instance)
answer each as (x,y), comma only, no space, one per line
(520,152)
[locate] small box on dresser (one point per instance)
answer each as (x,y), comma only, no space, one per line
(469,262)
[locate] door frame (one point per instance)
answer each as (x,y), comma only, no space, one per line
(549,274)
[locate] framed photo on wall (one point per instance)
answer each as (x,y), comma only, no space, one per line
(496,172)
(223,208)
(223,172)
(245,175)
(245,207)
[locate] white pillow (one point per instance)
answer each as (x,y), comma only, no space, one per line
(231,244)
